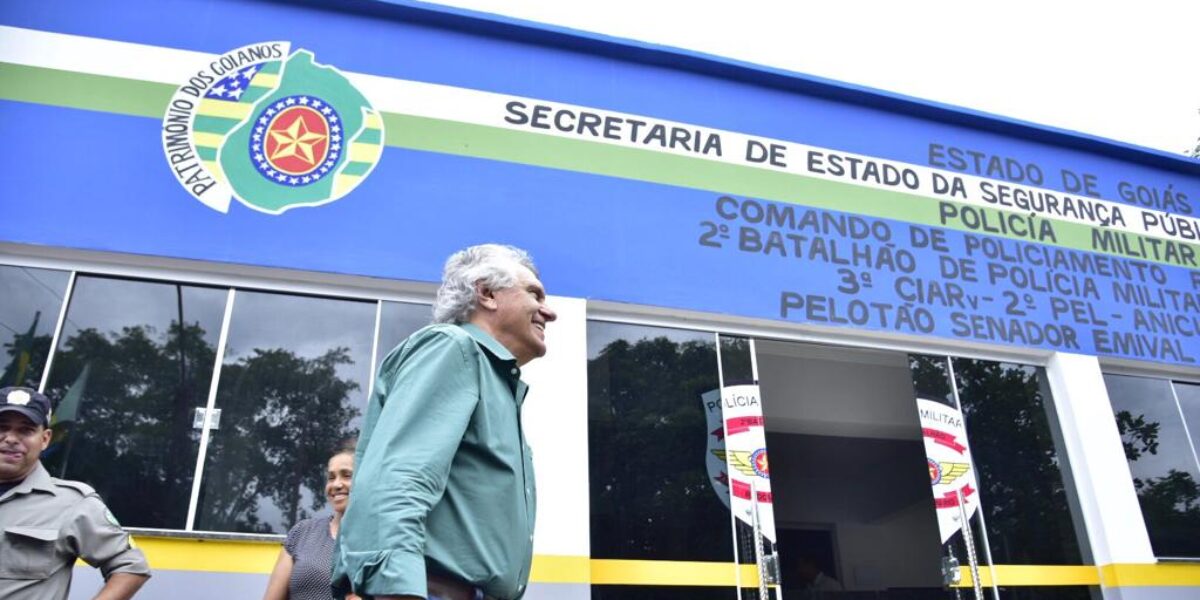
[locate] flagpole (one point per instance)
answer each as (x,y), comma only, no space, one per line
(62,473)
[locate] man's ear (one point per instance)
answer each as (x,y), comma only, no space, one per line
(484,296)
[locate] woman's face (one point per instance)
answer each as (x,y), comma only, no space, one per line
(337,481)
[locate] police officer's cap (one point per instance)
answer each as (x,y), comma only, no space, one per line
(26,401)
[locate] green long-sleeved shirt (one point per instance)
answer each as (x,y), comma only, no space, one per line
(443,477)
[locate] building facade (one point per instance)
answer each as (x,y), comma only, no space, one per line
(969,343)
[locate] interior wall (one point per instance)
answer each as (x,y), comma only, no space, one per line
(847,455)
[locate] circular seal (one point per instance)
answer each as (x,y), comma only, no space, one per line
(296,141)
(758,460)
(935,471)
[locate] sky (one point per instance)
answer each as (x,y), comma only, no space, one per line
(1119,70)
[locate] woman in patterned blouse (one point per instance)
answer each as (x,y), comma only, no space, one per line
(302,570)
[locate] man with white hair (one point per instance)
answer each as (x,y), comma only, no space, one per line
(444,498)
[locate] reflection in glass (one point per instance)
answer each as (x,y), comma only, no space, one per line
(126,379)
(932,381)
(648,432)
(397,321)
(293,386)
(29,310)
(931,378)
(1022,491)
(736,363)
(737,368)
(1188,395)
(1160,458)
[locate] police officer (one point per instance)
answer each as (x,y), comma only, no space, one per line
(47,523)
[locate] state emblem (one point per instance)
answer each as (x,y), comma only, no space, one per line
(296,141)
(271,128)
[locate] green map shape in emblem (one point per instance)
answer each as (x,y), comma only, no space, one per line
(300,76)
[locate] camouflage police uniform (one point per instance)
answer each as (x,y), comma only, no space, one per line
(48,523)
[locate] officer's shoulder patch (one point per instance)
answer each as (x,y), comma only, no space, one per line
(78,486)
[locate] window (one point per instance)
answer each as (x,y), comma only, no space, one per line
(1158,423)
(647,445)
(1022,490)
(293,385)
(126,378)
(1028,514)
(32,300)
(132,376)
(397,321)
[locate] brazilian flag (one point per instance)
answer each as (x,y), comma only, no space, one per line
(21,350)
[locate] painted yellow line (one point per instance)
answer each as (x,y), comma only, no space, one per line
(1166,574)
(177,554)
(1040,575)
(227,556)
(549,568)
(662,572)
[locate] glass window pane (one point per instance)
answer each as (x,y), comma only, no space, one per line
(293,386)
(398,320)
(28,314)
(1188,395)
(126,379)
(945,460)
(931,378)
(648,424)
(1160,460)
(1022,491)
(736,367)
(737,370)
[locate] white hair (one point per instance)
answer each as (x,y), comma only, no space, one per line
(494,266)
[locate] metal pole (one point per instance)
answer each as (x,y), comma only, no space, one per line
(969,540)
(758,543)
(987,544)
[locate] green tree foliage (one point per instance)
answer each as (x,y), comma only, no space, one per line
(651,496)
(134,441)
(1138,436)
(1194,152)
(1171,506)
(132,438)
(1022,489)
(27,354)
(282,415)
(1170,503)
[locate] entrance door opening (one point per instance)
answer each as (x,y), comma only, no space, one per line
(853,507)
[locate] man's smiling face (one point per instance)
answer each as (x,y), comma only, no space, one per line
(519,316)
(21,444)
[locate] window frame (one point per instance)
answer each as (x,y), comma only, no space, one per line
(231,279)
